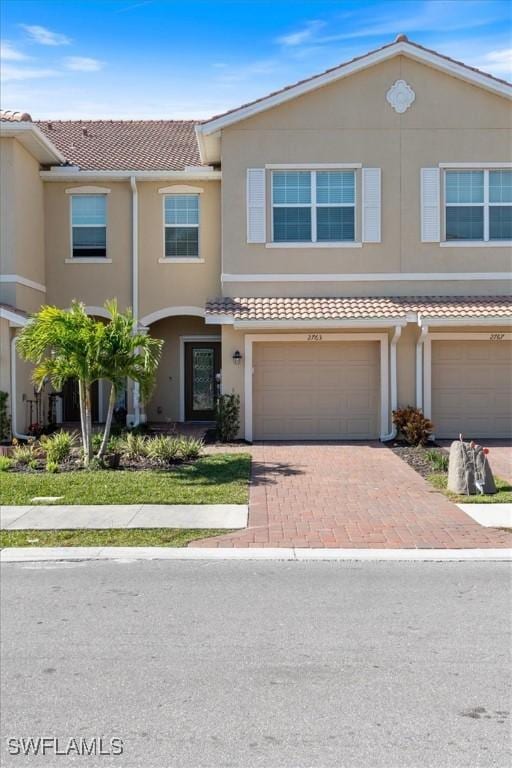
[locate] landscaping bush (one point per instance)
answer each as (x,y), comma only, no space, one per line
(58,446)
(189,448)
(52,466)
(438,460)
(5,463)
(23,453)
(163,449)
(5,422)
(133,446)
(227,416)
(413,425)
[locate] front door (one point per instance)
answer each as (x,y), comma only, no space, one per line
(71,400)
(202,366)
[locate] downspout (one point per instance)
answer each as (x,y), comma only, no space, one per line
(419,366)
(393,380)
(135,285)
(15,434)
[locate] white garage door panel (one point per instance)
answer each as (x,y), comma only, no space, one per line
(472,388)
(316,390)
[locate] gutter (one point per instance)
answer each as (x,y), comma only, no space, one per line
(73,173)
(393,380)
(135,285)
(419,366)
(15,434)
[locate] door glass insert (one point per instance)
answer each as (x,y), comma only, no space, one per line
(203,379)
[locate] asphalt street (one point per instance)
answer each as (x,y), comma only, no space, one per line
(259,664)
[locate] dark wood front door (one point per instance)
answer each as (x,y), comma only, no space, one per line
(202,366)
(71,401)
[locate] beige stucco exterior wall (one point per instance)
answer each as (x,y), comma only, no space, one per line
(161,285)
(174,284)
(22,224)
(165,401)
(350,122)
(88,282)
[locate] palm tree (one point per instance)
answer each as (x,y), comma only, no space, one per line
(61,344)
(122,351)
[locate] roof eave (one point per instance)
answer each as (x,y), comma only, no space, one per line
(34,141)
(74,175)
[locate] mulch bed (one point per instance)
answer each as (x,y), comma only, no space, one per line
(415,456)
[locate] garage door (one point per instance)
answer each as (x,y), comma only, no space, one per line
(472,388)
(318,390)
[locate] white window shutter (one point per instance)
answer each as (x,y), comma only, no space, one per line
(430,205)
(255,205)
(371,205)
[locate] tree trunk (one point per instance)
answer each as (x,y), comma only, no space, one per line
(108,423)
(88,426)
(81,396)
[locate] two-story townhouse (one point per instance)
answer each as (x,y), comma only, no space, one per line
(333,250)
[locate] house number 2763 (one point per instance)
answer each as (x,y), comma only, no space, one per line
(314,337)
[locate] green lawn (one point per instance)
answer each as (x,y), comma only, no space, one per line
(219,479)
(504,495)
(115,537)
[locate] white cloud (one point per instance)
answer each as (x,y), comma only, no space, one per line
(82,64)
(9,53)
(45,36)
(11,73)
(302,35)
(496,62)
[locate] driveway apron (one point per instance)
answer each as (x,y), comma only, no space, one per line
(348,495)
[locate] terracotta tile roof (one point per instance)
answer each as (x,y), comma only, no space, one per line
(345,308)
(11,116)
(399,39)
(138,145)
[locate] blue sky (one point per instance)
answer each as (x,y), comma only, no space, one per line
(196,58)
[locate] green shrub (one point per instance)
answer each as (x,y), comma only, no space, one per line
(227,416)
(52,466)
(133,446)
(115,444)
(33,464)
(5,463)
(189,447)
(438,460)
(58,446)
(163,449)
(23,453)
(96,441)
(5,421)
(413,425)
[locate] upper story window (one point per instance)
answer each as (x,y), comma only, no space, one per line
(89,226)
(181,218)
(313,206)
(478,205)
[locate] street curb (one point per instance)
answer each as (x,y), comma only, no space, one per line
(129,554)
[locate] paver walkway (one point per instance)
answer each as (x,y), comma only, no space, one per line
(348,495)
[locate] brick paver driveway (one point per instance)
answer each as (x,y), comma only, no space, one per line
(348,495)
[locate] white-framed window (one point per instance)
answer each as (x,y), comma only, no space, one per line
(88,226)
(181,226)
(313,206)
(478,205)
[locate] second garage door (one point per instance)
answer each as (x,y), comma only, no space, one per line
(472,388)
(318,390)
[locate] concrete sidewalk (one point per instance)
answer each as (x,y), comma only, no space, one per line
(56,516)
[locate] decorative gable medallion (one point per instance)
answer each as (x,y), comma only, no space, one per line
(400,96)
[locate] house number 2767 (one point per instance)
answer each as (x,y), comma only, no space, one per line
(497,336)
(314,337)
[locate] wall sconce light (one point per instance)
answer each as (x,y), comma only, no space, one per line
(237,357)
